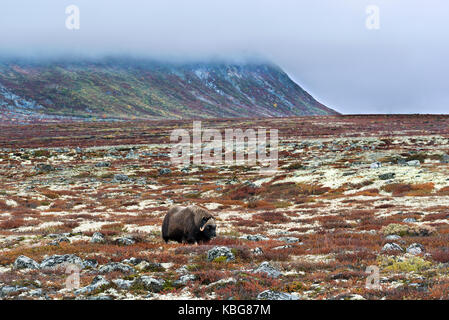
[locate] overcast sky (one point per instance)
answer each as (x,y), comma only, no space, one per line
(323,45)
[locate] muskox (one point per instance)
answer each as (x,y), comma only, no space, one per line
(188,225)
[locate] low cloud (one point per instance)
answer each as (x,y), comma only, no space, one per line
(323,45)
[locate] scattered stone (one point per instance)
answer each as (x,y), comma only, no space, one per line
(44,168)
(268,269)
(164,171)
(36,293)
(90,263)
(350,296)
(150,284)
(183,280)
(132,155)
(103,164)
(123,284)
(257,251)
(125,241)
(275,295)
(97,237)
(23,262)
(392,237)
(288,246)
(116,266)
(120,178)
(9,290)
(149,266)
(221,283)
(57,241)
(289,239)
(445,158)
(409,220)
(57,261)
(217,252)
(387,176)
(253,237)
(97,283)
(133,261)
(415,249)
(392,247)
(376,165)
(414,163)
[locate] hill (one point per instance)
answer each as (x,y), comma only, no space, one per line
(130,89)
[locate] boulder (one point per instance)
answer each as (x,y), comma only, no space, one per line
(23,262)
(415,249)
(97,237)
(391,247)
(275,295)
(116,266)
(217,252)
(268,269)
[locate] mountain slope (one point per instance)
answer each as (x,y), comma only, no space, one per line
(143,89)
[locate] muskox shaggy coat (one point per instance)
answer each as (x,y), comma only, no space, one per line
(188,225)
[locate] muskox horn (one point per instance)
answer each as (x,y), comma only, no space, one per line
(204,225)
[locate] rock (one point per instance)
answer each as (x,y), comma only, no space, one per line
(125,241)
(256,237)
(150,284)
(116,266)
(376,165)
(217,252)
(182,270)
(392,237)
(414,163)
(350,296)
(182,281)
(132,155)
(409,220)
(123,284)
(164,171)
(149,266)
(120,178)
(44,168)
(275,295)
(221,283)
(23,262)
(391,247)
(57,261)
(9,290)
(445,158)
(387,176)
(96,284)
(36,293)
(57,241)
(133,261)
(90,263)
(103,164)
(415,249)
(97,237)
(257,251)
(268,269)
(289,239)
(288,246)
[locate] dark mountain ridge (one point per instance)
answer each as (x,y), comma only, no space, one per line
(143,89)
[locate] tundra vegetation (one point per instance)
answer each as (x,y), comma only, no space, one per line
(351,192)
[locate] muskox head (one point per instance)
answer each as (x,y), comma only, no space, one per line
(204,220)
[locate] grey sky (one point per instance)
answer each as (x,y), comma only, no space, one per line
(322,44)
